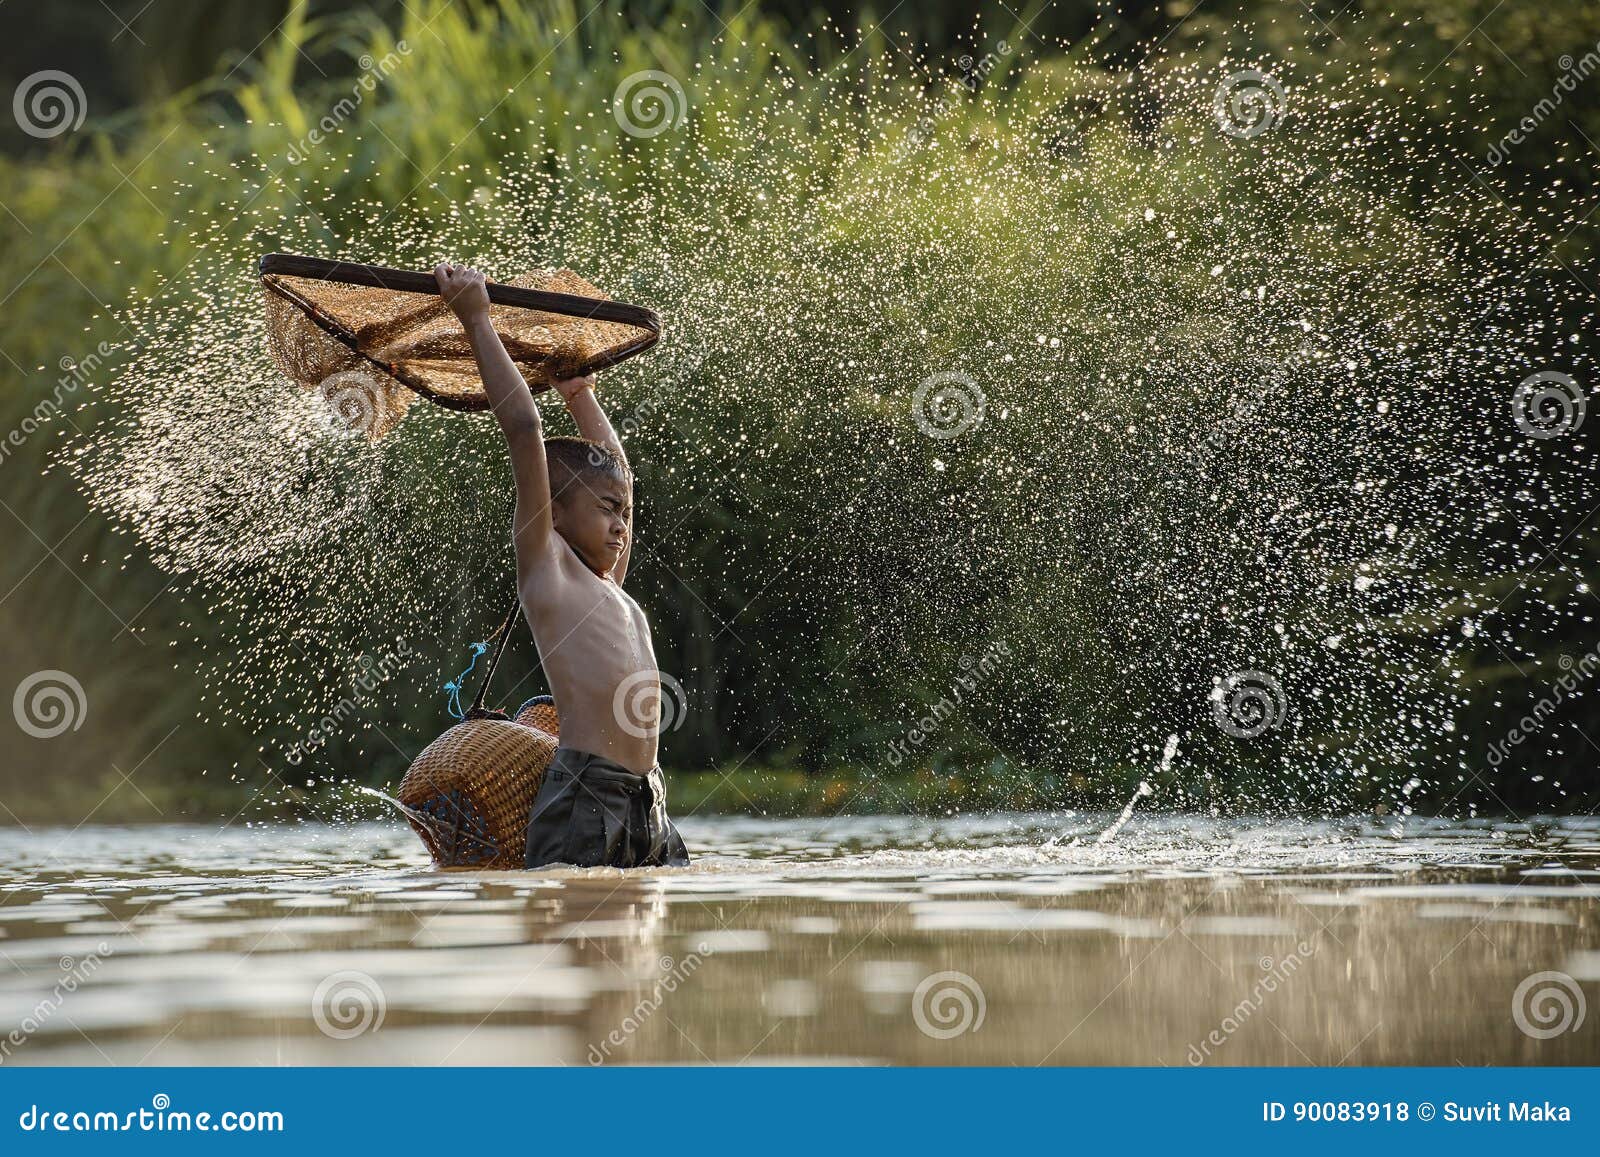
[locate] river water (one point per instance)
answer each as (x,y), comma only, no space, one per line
(999,939)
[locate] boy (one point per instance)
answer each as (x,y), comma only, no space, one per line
(602,800)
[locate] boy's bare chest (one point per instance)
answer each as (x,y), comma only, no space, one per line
(596,620)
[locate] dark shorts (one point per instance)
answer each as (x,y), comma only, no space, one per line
(591,811)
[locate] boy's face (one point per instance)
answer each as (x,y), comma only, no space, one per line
(592,515)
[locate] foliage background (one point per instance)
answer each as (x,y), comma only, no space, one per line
(183,102)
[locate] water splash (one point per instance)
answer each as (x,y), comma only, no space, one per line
(432,822)
(1208,403)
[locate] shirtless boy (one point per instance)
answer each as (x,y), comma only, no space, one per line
(602,800)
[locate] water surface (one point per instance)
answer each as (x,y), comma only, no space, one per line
(1000,939)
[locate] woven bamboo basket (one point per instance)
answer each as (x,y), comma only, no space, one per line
(540,712)
(470,791)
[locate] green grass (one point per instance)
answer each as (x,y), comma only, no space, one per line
(171,200)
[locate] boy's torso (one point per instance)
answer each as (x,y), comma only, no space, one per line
(594,643)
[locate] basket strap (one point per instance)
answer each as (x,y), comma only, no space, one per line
(503,635)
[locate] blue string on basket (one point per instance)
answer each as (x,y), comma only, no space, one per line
(453,688)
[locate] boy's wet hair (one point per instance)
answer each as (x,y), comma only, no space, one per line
(575,459)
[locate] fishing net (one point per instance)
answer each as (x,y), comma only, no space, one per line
(372,339)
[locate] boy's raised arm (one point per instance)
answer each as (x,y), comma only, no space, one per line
(588,414)
(590,418)
(463,291)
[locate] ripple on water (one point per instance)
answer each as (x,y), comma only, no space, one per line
(811,940)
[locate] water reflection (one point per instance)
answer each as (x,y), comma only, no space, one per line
(1011,939)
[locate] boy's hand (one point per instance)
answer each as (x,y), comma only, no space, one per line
(463,291)
(570,388)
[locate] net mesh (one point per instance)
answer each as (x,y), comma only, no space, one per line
(372,351)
